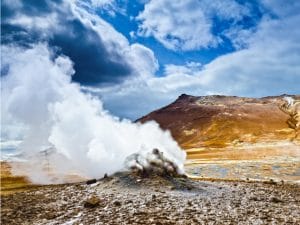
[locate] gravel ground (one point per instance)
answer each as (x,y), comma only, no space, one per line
(126,198)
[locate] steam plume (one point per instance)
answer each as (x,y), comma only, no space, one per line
(53,113)
(289,100)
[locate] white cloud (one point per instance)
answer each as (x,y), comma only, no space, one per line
(101,3)
(188,68)
(282,8)
(110,6)
(186,25)
(143,59)
(48,24)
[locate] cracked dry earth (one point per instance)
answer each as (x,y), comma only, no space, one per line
(126,198)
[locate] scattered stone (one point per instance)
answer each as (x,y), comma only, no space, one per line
(172,188)
(275,199)
(272,181)
(92,202)
(50,215)
(92,181)
(117,203)
(189,188)
(254,198)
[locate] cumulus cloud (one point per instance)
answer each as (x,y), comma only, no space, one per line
(188,25)
(100,53)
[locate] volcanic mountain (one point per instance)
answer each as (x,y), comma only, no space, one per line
(219,121)
(214,128)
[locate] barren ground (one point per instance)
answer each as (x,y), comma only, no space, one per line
(130,199)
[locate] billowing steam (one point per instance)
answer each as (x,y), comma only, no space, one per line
(289,100)
(53,114)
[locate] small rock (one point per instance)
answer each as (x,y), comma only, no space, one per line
(272,181)
(189,188)
(184,176)
(153,197)
(92,202)
(254,198)
(50,215)
(92,181)
(117,203)
(275,200)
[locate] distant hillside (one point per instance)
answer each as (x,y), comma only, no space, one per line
(221,121)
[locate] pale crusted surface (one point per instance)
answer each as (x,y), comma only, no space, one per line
(129,199)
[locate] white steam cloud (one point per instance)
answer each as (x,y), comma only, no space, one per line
(52,112)
(289,100)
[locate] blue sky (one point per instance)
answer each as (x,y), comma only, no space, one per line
(125,22)
(137,56)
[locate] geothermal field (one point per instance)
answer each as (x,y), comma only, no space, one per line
(241,168)
(150,112)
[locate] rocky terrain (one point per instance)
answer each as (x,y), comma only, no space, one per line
(235,137)
(127,198)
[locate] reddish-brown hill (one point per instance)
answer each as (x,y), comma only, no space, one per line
(219,121)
